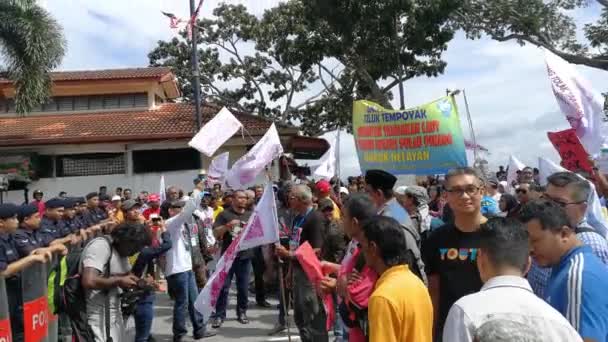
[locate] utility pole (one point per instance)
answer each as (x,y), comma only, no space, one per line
(196,77)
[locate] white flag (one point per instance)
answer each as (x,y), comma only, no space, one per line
(327,169)
(514,166)
(582,106)
(218,169)
(248,167)
(594,215)
(261,229)
(546,168)
(263,226)
(163,189)
(216,132)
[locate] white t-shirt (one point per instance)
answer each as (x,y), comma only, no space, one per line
(179,257)
(96,255)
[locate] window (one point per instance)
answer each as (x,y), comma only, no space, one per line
(43,166)
(93,164)
(166,160)
(65,103)
(84,102)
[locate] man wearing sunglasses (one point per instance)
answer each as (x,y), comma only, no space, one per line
(570,192)
(450,253)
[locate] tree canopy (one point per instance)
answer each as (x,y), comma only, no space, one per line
(547,23)
(304,62)
(31,45)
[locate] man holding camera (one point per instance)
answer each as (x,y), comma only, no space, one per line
(228,225)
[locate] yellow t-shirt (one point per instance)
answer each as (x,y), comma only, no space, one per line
(337,215)
(217,212)
(120,216)
(400,308)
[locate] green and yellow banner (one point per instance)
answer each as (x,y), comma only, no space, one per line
(424,140)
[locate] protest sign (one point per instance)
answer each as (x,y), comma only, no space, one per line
(574,156)
(423,140)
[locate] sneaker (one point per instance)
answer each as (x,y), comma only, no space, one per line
(205,335)
(277,329)
(217,322)
(242,318)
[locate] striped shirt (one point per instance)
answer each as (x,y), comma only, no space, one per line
(577,290)
(539,276)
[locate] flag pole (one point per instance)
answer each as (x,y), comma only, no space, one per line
(338,160)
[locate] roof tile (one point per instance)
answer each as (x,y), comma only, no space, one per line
(168,121)
(108,74)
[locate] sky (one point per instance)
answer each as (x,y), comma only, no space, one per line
(507,87)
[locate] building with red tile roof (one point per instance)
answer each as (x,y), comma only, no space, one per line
(117,127)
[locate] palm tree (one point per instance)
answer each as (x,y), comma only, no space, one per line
(31,45)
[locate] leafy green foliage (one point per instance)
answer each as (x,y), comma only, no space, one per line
(31,45)
(305,61)
(544,23)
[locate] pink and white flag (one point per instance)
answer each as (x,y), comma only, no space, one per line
(218,169)
(263,226)
(578,101)
(248,167)
(215,132)
(261,229)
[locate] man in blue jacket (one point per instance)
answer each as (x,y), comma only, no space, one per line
(578,279)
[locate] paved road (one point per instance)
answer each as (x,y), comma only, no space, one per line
(261,321)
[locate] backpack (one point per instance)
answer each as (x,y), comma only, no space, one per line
(67,295)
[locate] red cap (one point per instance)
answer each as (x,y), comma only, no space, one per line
(323,186)
(153,198)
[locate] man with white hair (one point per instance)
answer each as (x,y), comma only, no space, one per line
(307,226)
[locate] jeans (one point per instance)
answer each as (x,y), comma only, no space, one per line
(240,269)
(182,288)
(144,315)
(258,271)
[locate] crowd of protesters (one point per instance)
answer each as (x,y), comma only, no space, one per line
(461,257)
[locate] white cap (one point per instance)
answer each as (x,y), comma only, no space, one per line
(116,198)
(344,190)
(400,190)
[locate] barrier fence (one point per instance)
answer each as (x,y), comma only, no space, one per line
(38,323)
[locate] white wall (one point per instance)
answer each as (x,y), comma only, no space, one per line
(80,186)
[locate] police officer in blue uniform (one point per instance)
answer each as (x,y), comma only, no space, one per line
(69,225)
(11,265)
(94,213)
(27,237)
(50,223)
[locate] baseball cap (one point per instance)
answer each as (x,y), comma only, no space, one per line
(400,190)
(344,190)
(116,198)
(8,210)
(153,198)
(323,186)
(130,204)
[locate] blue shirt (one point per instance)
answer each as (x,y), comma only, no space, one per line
(8,251)
(27,240)
(489,206)
(577,289)
(393,209)
(539,276)
(49,230)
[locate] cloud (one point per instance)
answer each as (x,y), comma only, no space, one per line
(510,99)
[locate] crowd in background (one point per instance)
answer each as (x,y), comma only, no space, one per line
(460,257)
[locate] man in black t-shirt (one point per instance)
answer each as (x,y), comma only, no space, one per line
(229,224)
(309,313)
(450,252)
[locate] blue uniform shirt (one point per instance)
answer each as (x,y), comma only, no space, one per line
(49,231)
(8,251)
(69,226)
(26,241)
(577,289)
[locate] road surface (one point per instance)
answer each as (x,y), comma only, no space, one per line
(261,321)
